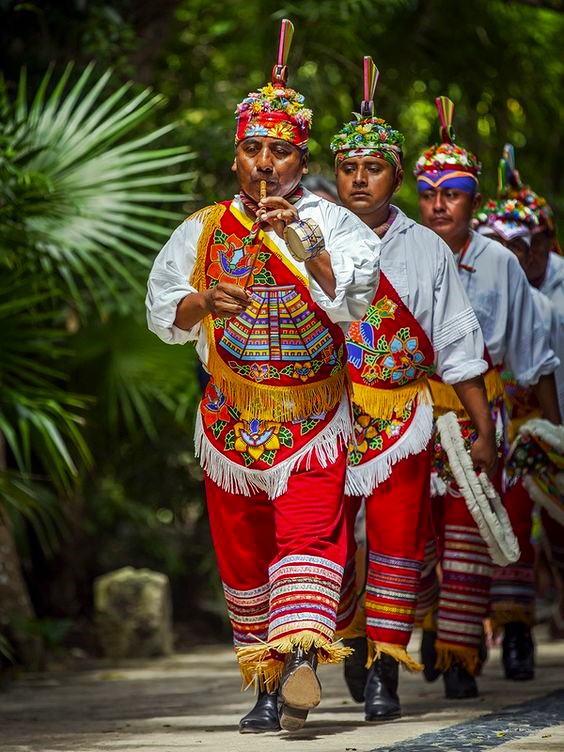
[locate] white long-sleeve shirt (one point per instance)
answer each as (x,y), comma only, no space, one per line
(513,328)
(422,270)
(555,334)
(353,247)
(553,283)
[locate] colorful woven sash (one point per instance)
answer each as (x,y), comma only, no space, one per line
(282,358)
(390,356)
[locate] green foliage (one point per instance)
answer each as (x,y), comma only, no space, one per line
(78,228)
(84,197)
(499,61)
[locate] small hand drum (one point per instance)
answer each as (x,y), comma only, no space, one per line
(304,239)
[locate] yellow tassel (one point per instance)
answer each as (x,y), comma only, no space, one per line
(357,627)
(260,668)
(211,217)
(398,652)
(447,654)
(429,623)
(506,613)
(516,423)
(383,403)
(445,399)
(277,403)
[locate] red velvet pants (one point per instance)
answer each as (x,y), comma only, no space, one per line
(397,514)
(281,561)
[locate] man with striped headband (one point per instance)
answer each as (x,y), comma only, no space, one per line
(272,429)
(419,320)
(515,223)
(447,180)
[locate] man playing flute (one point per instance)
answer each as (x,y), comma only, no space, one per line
(273,426)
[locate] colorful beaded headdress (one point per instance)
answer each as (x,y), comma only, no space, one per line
(510,185)
(508,217)
(275,110)
(447,165)
(368,136)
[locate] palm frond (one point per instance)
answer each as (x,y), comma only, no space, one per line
(28,502)
(82,198)
(129,372)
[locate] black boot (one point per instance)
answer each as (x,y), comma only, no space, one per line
(300,689)
(518,654)
(429,655)
(381,693)
(459,684)
(356,672)
(264,715)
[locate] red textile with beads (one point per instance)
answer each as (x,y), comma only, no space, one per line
(466,571)
(513,587)
(281,561)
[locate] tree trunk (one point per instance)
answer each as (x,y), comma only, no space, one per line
(15,604)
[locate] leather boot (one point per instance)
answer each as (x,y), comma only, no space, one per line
(300,689)
(518,652)
(381,693)
(355,669)
(264,715)
(429,655)
(459,684)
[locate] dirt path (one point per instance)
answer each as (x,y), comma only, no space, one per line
(192,702)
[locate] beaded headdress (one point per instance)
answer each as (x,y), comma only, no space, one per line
(275,110)
(367,135)
(447,165)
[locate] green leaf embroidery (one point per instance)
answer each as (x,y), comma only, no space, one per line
(268,457)
(307,425)
(285,436)
(219,236)
(229,440)
(354,458)
(264,277)
(376,442)
(218,427)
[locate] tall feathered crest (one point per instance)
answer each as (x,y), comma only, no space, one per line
(445,106)
(280,70)
(371,75)
(513,179)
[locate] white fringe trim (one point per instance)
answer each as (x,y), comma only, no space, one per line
(364,478)
(438,485)
(482,499)
(234,478)
(555,510)
(548,432)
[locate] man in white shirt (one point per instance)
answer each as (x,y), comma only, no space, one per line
(420,320)
(274,423)
(514,221)
(515,338)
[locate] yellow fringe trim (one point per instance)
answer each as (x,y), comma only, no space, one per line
(447,654)
(211,217)
(383,403)
(357,627)
(399,653)
(516,423)
(429,622)
(259,668)
(506,613)
(445,399)
(277,403)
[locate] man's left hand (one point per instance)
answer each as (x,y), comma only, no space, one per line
(277,212)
